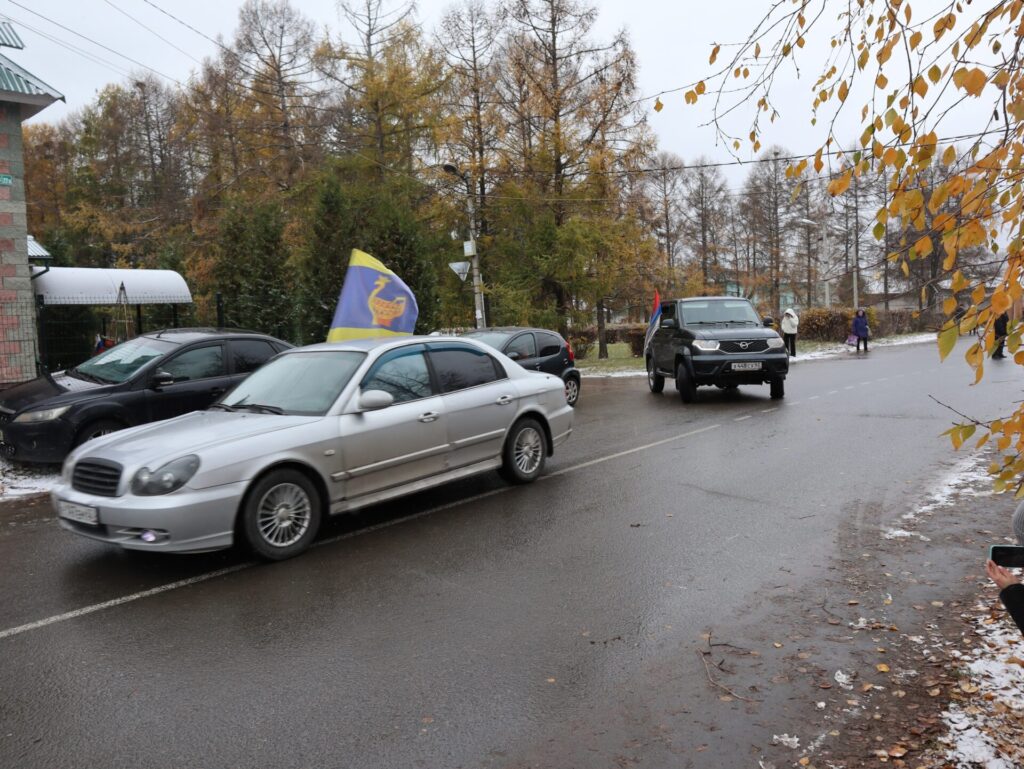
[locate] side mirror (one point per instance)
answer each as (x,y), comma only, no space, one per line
(513,355)
(374,400)
(160,379)
(668,323)
(769,322)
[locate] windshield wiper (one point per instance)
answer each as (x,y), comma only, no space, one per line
(740,321)
(87,377)
(262,407)
(224,406)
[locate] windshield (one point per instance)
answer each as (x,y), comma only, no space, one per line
(495,339)
(304,383)
(119,364)
(720,311)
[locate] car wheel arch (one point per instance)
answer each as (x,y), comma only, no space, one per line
(531,414)
(89,421)
(288,464)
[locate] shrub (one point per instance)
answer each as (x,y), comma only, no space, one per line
(581,346)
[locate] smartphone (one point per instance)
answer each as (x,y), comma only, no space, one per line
(1010,556)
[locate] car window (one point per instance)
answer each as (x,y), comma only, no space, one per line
(305,383)
(198,363)
(460,367)
(495,339)
(668,310)
(549,344)
(249,354)
(720,311)
(119,363)
(403,373)
(524,345)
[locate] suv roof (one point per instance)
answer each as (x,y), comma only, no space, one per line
(509,330)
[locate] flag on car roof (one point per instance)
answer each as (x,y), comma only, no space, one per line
(373,302)
(655,315)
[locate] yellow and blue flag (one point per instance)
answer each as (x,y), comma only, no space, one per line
(373,302)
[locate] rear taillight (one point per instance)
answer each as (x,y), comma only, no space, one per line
(572,355)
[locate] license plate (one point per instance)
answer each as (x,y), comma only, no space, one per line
(75,512)
(748,366)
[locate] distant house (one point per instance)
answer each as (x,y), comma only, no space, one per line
(22,95)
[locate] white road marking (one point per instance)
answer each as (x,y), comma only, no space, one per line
(13,631)
(864,384)
(814,397)
(848,387)
(792,403)
(740,419)
(883,379)
(769,411)
(832,392)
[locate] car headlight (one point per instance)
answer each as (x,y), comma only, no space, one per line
(43,415)
(166,479)
(706,345)
(776,342)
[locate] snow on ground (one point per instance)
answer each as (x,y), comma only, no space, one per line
(967,477)
(983,731)
(821,354)
(19,480)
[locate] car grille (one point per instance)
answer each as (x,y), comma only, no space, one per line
(743,345)
(94,477)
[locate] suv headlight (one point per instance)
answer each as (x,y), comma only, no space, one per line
(166,479)
(43,415)
(776,342)
(706,345)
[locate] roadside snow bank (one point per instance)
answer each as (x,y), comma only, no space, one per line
(828,352)
(21,480)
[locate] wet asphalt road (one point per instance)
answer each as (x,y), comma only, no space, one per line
(481,625)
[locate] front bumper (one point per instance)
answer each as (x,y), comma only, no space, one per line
(41,442)
(187,520)
(712,368)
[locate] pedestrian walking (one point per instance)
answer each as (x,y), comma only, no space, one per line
(861,330)
(1000,328)
(790,324)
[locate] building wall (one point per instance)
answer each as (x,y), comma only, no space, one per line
(17,309)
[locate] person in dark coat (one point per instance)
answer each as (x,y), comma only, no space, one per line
(1011,592)
(860,329)
(1000,328)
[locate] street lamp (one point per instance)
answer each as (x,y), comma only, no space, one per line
(478,286)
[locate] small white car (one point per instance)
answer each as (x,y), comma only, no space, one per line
(318,430)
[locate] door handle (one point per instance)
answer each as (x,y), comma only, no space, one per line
(430,416)
(504,400)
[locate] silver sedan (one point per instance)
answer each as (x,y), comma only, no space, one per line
(318,430)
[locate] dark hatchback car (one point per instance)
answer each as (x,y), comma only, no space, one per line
(155,376)
(535,349)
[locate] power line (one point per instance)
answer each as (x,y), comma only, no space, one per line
(100,45)
(69,46)
(152,31)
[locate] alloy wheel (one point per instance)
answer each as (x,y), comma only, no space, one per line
(528,450)
(283,514)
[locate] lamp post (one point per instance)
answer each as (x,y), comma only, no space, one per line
(478,284)
(825,247)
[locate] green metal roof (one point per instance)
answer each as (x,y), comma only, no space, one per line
(22,87)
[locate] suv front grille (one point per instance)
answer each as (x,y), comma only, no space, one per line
(95,477)
(743,345)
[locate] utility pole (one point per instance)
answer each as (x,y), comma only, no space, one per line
(470,245)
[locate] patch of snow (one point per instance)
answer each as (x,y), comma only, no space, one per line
(587,372)
(21,480)
(969,746)
(843,679)
(785,739)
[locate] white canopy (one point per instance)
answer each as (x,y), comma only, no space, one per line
(89,285)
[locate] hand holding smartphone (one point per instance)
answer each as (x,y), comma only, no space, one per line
(1007,556)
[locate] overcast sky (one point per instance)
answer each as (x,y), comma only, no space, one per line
(672,46)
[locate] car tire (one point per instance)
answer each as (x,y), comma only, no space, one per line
(684,384)
(655,381)
(96,429)
(778,388)
(524,453)
(572,390)
(281,515)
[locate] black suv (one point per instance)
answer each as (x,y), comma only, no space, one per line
(535,349)
(158,375)
(718,340)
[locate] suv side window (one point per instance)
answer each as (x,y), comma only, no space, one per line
(668,311)
(198,363)
(458,368)
(524,345)
(249,354)
(403,373)
(549,344)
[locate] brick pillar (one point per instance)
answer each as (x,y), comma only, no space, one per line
(18,338)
